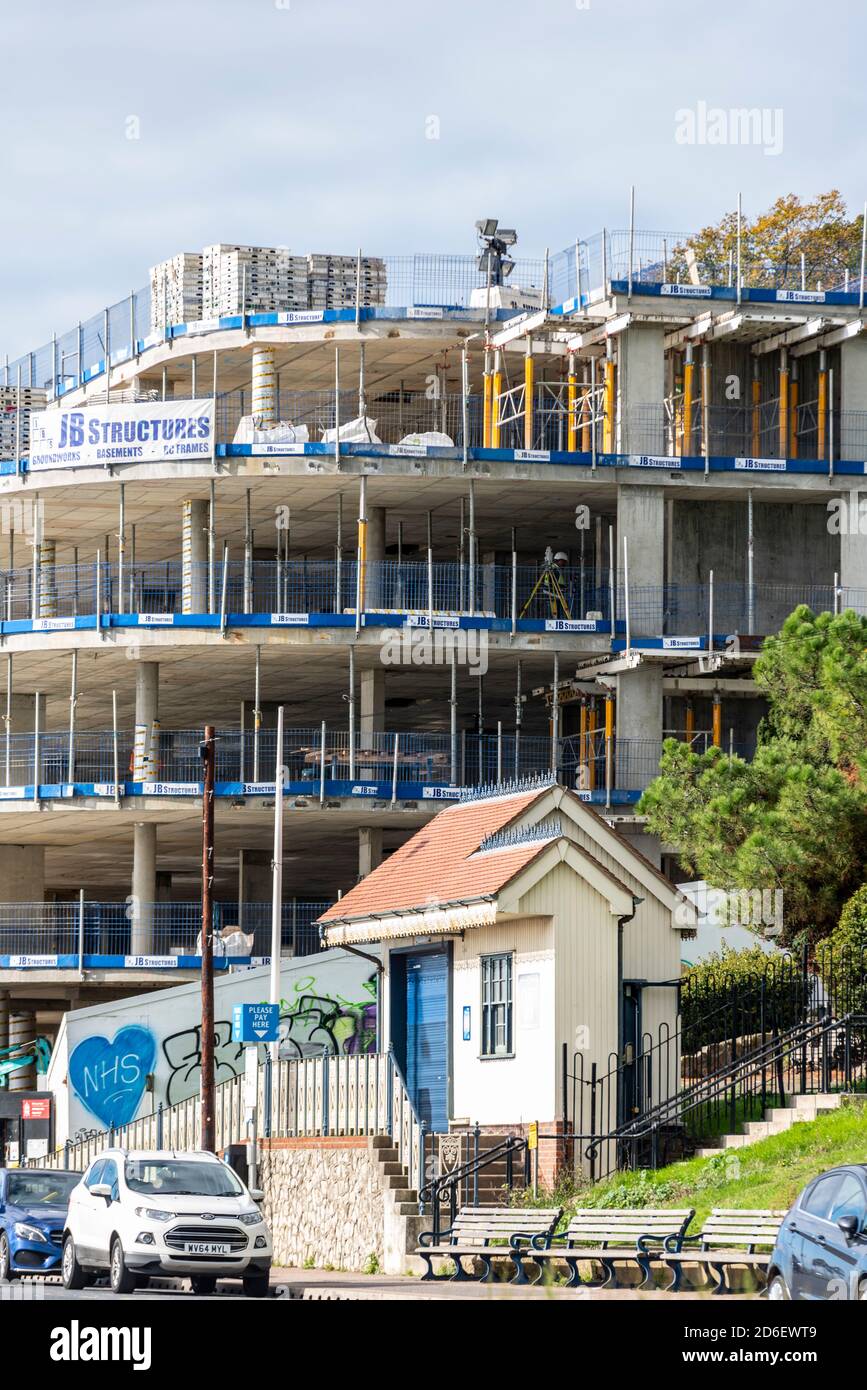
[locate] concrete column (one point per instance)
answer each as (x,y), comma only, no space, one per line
(22,873)
(369,849)
(639,726)
(371,701)
(488,562)
(144,888)
(256,877)
(194,543)
(264,387)
(641,520)
(22,713)
(22,1029)
(374,587)
(147,687)
(853,548)
(46,606)
(648,845)
(848,441)
(641,389)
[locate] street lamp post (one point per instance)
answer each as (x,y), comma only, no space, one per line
(207,751)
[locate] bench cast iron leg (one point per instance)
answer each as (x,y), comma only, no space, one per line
(643,1262)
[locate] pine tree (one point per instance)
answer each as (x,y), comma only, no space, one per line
(795,816)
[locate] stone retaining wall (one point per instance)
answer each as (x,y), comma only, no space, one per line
(324,1202)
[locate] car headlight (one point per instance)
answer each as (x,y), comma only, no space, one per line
(251,1218)
(153,1214)
(26,1232)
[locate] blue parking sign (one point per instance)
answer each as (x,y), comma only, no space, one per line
(255,1023)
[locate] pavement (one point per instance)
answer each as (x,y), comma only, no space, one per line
(318,1285)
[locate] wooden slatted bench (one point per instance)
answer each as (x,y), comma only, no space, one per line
(611,1237)
(728,1237)
(488,1233)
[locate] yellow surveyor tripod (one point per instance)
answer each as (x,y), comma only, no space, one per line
(550,586)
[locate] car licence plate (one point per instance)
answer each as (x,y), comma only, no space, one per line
(205,1247)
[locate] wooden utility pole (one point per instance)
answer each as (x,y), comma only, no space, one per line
(207,750)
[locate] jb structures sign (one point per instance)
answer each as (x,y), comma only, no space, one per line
(103,435)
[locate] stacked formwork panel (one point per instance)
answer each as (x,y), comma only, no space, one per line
(15,438)
(334,281)
(176,290)
(252,279)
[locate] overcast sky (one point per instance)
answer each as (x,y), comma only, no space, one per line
(307,123)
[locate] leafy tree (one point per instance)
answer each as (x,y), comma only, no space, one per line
(774,241)
(795,817)
(763,990)
(842,957)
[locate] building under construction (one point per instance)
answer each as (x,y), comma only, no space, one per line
(467,519)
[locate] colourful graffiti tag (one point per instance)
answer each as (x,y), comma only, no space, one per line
(309,1023)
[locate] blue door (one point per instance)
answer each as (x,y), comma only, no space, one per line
(427,1038)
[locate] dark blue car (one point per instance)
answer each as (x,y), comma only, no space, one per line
(33,1204)
(821,1250)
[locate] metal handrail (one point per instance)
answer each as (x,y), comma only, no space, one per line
(443,1188)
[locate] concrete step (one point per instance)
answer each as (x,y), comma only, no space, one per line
(386,1155)
(391,1169)
(382,1141)
(394,1182)
(763,1129)
(734,1141)
(407,1208)
(822,1101)
(404,1194)
(798,1109)
(780,1115)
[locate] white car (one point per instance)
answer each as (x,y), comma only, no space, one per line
(137,1213)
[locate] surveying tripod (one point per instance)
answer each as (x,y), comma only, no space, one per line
(550,586)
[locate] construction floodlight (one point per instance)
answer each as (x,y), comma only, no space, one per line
(493,263)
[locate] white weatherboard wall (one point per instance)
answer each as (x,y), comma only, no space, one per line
(520,1088)
(104,1054)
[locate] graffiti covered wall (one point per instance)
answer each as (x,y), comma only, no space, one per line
(115,1061)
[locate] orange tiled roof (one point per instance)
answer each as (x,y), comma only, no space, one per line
(437,864)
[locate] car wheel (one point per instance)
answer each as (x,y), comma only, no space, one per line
(122,1280)
(6,1270)
(778,1291)
(73,1274)
(203,1283)
(862,1291)
(256,1285)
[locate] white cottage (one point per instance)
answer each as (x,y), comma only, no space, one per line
(517,930)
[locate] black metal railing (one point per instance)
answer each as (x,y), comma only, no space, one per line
(441,1193)
(736,1046)
(811,1057)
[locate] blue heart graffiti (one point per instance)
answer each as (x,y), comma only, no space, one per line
(109,1078)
